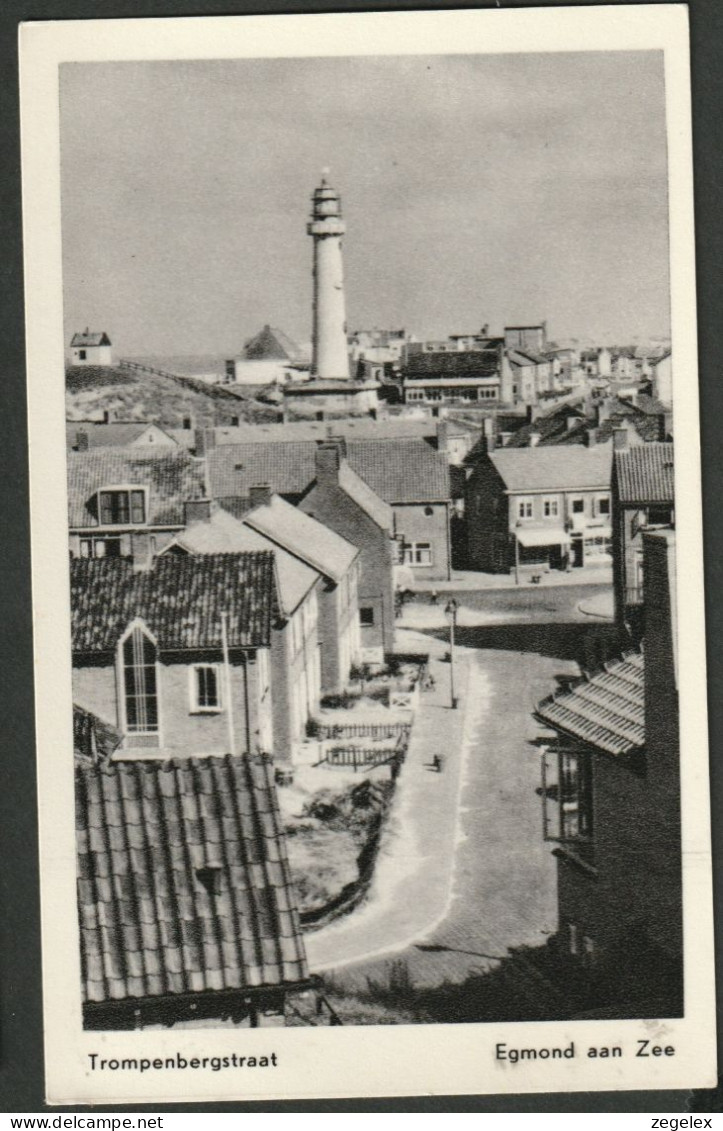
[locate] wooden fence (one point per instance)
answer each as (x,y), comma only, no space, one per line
(363,730)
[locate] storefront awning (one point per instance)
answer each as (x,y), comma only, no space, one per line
(542,536)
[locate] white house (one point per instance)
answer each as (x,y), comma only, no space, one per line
(91,348)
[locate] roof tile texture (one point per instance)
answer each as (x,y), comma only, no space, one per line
(645,474)
(606,710)
(171,479)
(183,882)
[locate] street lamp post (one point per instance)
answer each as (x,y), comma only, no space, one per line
(451,612)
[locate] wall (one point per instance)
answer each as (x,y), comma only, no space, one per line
(488,541)
(295,675)
(328,503)
(182,732)
(419,522)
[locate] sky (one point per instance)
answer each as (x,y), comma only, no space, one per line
(499,189)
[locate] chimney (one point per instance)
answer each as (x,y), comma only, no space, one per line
(532,412)
(443,436)
(328,457)
(282,416)
(488,427)
(205,441)
(535,438)
(141,550)
(620,439)
(591,437)
(197,510)
(259,495)
(570,422)
(106,416)
(82,441)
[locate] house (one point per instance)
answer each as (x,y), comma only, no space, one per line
(185,903)
(662,378)
(409,476)
(91,348)
(611,793)
(295,656)
(579,420)
(382,346)
(175,653)
(531,374)
(337,563)
(121,501)
(82,435)
(344,502)
(538,507)
(526,338)
(269,356)
(455,376)
(643,496)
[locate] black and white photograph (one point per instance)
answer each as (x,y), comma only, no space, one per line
(368,523)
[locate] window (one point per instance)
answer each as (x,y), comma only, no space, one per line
(416,553)
(603,505)
(660,515)
(551,506)
(206,688)
(100,547)
(567,793)
(139,682)
(366,617)
(82,355)
(524,508)
(122,507)
(577,506)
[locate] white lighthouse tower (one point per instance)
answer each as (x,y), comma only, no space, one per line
(330,359)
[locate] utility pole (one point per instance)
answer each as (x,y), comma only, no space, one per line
(451,611)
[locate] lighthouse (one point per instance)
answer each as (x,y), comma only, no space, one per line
(330,358)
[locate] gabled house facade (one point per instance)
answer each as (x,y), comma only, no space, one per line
(611,794)
(91,347)
(82,435)
(643,497)
(175,654)
(539,508)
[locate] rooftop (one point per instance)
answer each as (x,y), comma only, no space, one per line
(453,363)
(321,548)
(645,473)
(113,435)
(553,468)
(222,533)
(171,478)
(605,710)
(90,338)
(183,882)
(180,599)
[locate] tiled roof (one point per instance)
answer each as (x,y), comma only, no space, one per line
(225,534)
(554,468)
(453,363)
(355,428)
(304,537)
(90,338)
(270,342)
(171,479)
(183,882)
(403,472)
(606,710)
(180,599)
(645,474)
(406,472)
(115,435)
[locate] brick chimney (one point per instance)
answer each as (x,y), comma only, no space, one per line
(82,441)
(205,441)
(197,510)
(443,436)
(328,457)
(141,550)
(259,495)
(620,439)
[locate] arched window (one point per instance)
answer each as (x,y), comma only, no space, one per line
(139,681)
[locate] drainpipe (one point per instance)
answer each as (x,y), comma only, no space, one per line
(229,687)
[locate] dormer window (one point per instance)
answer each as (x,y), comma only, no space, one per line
(122,506)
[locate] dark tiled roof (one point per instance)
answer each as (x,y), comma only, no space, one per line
(180,599)
(90,338)
(171,479)
(455,363)
(645,474)
(270,342)
(606,710)
(403,471)
(183,882)
(115,435)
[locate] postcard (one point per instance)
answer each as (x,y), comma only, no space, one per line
(370,668)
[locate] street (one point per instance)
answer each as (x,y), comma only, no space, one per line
(517,645)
